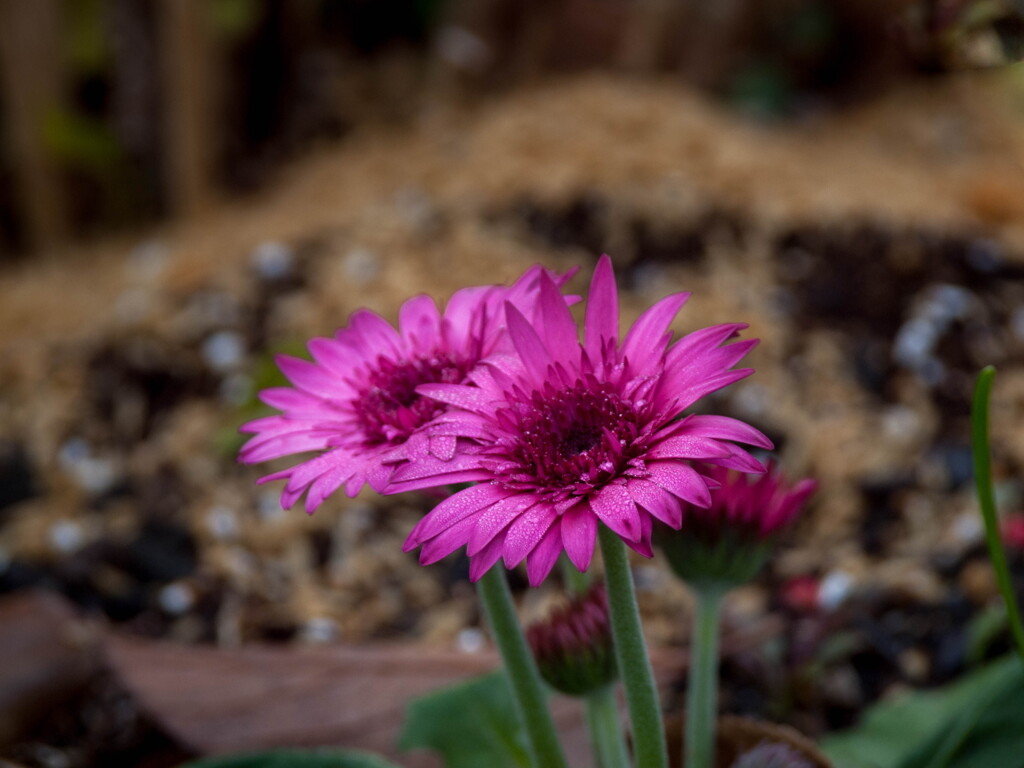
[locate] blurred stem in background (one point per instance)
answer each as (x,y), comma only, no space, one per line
(986,501)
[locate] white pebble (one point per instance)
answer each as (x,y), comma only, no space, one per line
(463,49)
(222,522)
(176,598)
(269,507)
(834,589)
(361,266)
(1017,322)
(967,528)
(224,350)
(914,342)
(470,640)
(66,536)
(73,451)
(320,629)
(900,422)
(273,260)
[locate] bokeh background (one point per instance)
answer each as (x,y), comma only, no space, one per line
(189,187)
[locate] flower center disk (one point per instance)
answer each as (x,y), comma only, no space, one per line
(388,408)
(571,440)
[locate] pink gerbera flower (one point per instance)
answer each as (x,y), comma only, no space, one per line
(575,435)
(727,542)
(357,403)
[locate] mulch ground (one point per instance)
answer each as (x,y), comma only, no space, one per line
(878,254)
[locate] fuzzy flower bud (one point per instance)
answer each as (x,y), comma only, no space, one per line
(726,543)
(771,756)
(573,646)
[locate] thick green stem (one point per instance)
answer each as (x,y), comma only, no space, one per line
(631,654)
(702,688)
(521,670)
(987,501)
(605,729)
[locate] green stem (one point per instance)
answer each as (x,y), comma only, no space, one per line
(521,670)
(987,501)
(605,729)
(631,654)
(576,581)
(702,688)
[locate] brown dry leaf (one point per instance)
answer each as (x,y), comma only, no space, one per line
(217,700)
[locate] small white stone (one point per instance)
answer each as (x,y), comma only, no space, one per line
(834,589)
(93,474)
(320,629)
(914,342)
(954,301)
(273,260)
(66,536)
(224,350)
(361,266)
(269,507)
(967,528)
(900,422)
(176,598)
(462,48)
(222,522)
(72,452)
(470,640)
(1017,322)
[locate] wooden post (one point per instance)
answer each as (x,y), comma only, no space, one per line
(31,84)
(186,75)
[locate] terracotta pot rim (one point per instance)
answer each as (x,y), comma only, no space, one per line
(740,734)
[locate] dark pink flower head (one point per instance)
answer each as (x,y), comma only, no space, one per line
(571,435)
(357,403)
(757,507)
(727,542)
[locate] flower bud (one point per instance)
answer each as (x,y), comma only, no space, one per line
(573,646)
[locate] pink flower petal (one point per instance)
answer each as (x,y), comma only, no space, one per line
(657,501)
(646,341)
(527,343)
(602,318)
(579,531)
(725,428)
(485,559)
(680,480)
(616,509)
(689,447)
(497,518)
(526,532)
(452,510)
(419,322)
(544,556)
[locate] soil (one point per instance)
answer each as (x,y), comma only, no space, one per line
(878,254)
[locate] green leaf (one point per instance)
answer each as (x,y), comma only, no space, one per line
(295,758)
(472,724)
(975,719)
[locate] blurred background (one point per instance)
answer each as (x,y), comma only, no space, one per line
(191,186)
